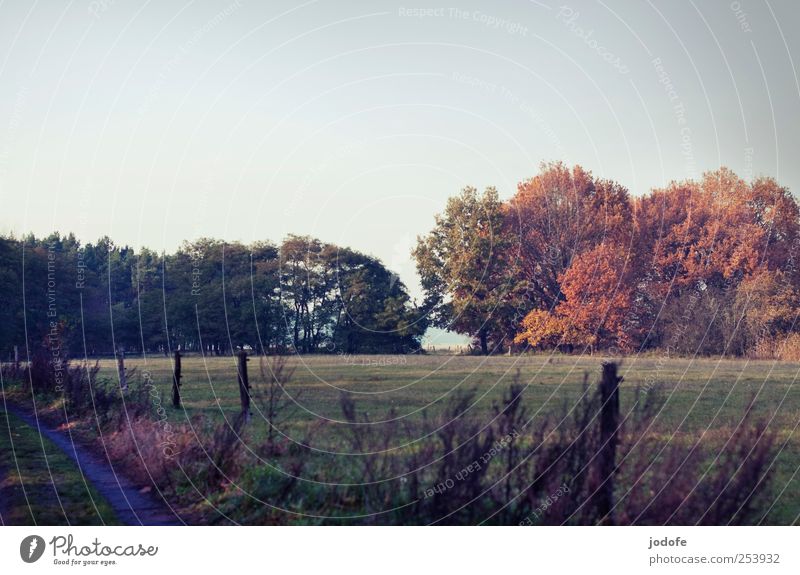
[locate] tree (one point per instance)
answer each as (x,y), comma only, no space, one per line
(376,314)
(559,214)
(714,236)
(465,267)
(764,309)
(208,296)
(597,300)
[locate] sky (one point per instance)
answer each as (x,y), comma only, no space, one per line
(156,122)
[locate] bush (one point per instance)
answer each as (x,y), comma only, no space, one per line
(782,348)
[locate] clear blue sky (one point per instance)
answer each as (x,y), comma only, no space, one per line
(354,121)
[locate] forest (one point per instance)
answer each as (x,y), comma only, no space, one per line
(303,296)
(570,262)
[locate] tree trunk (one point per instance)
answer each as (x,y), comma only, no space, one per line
(484,338)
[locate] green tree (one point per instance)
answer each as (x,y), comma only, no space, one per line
(466,268)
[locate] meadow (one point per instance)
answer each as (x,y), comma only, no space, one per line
(699,394)
(416,439)
(701,401)
(40,485)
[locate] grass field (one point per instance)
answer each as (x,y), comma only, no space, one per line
(699,394)
(703,399)
(41,485)
(703,402)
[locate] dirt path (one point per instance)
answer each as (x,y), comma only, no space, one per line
(130,506)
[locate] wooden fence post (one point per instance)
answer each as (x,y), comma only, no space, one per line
(16,357)
(123,379)
(176,380)
(244,384)
(609,423)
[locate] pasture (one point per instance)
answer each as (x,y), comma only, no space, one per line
(699,394)
(702,400)
(348,429)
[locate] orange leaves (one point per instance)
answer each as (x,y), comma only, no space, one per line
(585,264)
(606,266)
(768,302)
(598,296)
(539,327)
(568,223)
(714,231)
(597,292)
(560,213)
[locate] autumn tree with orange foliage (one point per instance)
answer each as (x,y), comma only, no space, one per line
(705,246)
(598,299)
(700,267)
(558,215)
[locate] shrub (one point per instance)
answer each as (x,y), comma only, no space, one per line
(783,348)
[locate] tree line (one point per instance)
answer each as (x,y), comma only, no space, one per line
(576,262)
(570,262)
(301,296)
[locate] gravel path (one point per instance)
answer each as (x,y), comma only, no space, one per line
(131,506)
